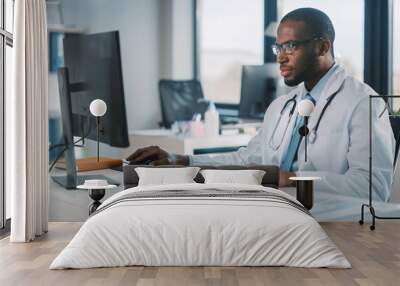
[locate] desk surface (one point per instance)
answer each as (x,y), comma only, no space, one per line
(182,145)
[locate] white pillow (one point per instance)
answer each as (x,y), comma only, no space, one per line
(248,177)
(163,176)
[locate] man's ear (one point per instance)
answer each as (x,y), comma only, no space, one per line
(324,47)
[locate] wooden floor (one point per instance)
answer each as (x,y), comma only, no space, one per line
(375,257)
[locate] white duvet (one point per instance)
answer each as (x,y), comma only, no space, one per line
(200,231)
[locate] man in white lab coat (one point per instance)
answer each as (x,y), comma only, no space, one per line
(338,139)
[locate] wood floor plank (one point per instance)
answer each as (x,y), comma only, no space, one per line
(375,258)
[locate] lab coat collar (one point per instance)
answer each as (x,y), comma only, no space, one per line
(327,85)
(318,89)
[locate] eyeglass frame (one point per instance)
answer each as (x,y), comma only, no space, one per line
(276,47)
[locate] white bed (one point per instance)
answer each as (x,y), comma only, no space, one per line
(185,230)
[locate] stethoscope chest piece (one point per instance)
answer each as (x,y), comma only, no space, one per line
(303,130)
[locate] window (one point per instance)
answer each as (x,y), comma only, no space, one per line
(396,53)
(9,13)
(230,34)
(349,28)
(6,42)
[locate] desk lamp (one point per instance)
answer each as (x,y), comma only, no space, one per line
(306,106)
(98,108)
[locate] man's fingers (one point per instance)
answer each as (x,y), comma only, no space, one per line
(134,155)
(163,161)
(144,154)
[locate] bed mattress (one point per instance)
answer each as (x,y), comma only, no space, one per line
(201,225)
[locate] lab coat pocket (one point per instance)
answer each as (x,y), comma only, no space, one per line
(328,150)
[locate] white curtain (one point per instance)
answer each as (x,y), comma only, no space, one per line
(27,123)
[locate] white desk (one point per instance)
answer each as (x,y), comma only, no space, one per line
(183,145)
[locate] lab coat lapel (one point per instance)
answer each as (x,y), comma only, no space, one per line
(332,86)
(299,91)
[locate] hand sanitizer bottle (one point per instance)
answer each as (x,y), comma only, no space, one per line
(211,121)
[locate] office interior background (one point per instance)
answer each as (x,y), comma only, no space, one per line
(209,40)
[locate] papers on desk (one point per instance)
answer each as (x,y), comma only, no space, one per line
(241,128)
(249,128)
(230,132)
(154,132)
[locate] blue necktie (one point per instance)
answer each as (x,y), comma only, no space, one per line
(291,153)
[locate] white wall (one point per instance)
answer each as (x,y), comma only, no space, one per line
(137,23)
(182,39)
(176,39)
(156,42)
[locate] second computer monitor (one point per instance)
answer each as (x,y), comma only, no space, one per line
(258,89)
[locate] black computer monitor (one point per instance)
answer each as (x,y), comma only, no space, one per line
(258,89)
(94,60)
(92,71)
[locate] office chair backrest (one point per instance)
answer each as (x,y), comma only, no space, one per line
(258,89)
(180,100)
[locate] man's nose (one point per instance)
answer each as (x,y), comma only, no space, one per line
(282,58)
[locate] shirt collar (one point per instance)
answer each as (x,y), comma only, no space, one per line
(317,90)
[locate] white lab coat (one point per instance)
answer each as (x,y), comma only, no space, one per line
(340,152)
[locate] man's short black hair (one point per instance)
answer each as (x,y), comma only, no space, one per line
(317,23)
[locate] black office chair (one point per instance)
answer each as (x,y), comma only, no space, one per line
(180,100)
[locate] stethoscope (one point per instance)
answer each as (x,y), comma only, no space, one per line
(292,101)
(287,103)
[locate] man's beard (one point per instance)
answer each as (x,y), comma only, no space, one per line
(293,82)
(303,75)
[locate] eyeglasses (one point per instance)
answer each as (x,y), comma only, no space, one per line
(290,47)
